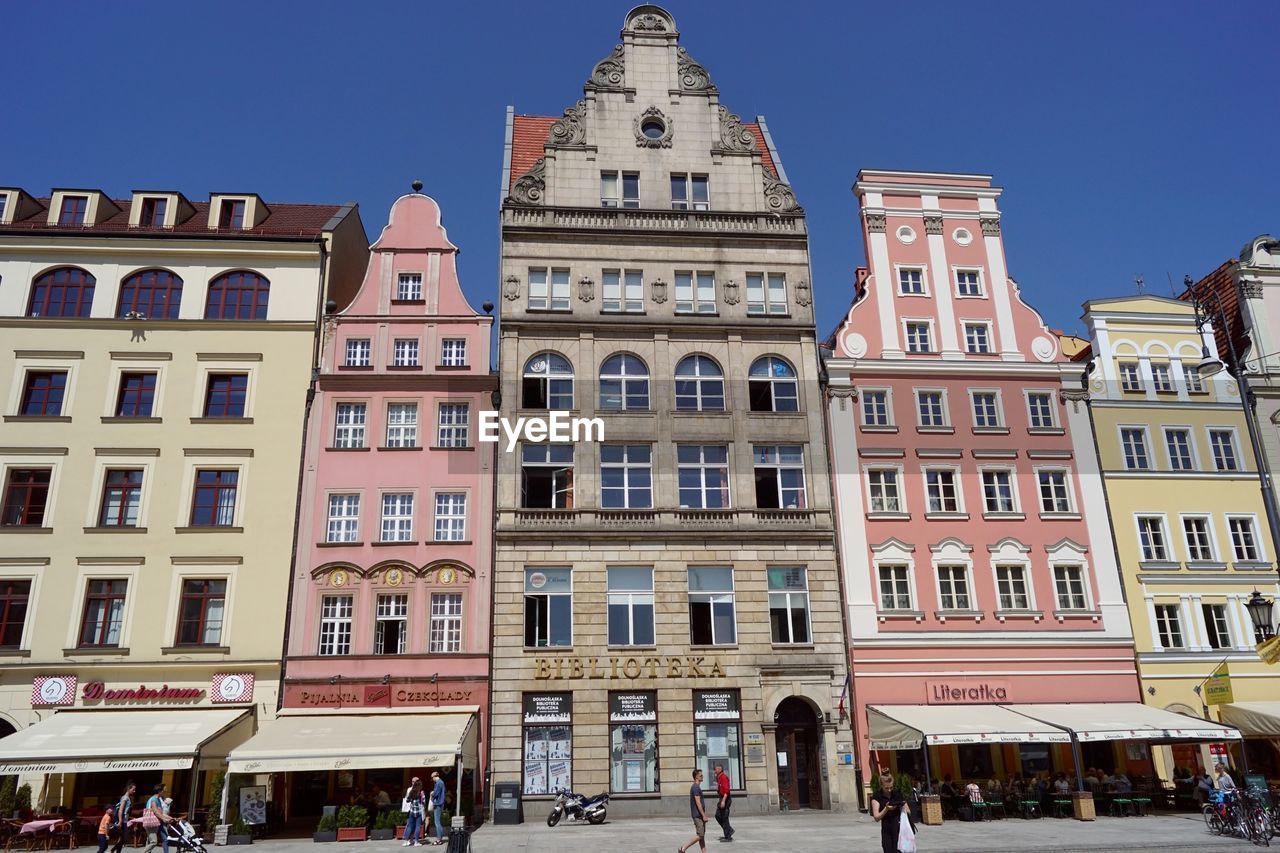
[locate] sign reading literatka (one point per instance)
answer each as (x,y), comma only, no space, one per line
(962,692)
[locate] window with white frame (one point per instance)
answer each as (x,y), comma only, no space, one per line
(1152,539)
(968,283)
(335,625)
(404,352)
(941,491)
(766,294)
(772,386)
(1195,529)
(1162,378)
(344,518)
(547,382)
(1178,443)
(1244,540)
(630,606)
(699,385)
(1130,377)
(712,619)
(931,409)
(882,486)
(1217,629)
(451,517)
(397,517)
(695,292)
(626,476)
(703,474)
(875,408)
(977,338)
(453,352)
(788,605)
(953,588)
(690,192)
(1068,582)
(623,290)
(620,189)
(359,352)
(779,476)
(402,425)
(1040,410)
(548,607)
(1223,443)
(348,425)
(1011,587)
(546,476)
(1054,494)
(1169,626)
(409,287)
(997,491)
(624,384)
(1133,442)
(445,634)
(895,587)
(455,419)
(548,289)
(918,337)
(1195,385)
(986,410)
(911,281)
(390,624)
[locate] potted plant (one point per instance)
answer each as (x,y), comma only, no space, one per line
(397,820)
(239,832)
(8,796)
(382,830)
(327,829)
(353,823)
(22,800)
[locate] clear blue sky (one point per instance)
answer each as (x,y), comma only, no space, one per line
(1130,137)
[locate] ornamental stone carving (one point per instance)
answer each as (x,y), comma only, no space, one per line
(1074,397)
(511,288)
(586,289)
(609,72)
(693,76)
(803,295)
(653,129)
(876,223)
(990,227)
(778,196)
(933,224)
(731,292)
(1250,288)
(531,185)
(733,136)
(571,128)
(646,21)
(659,290)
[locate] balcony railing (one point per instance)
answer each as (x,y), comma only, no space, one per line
(674,520)
(627,219)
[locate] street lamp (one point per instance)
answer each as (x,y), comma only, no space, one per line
(1260,612)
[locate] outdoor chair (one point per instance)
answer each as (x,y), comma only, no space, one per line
(1141,804)
(1062,807)
(1121,806)
(1030,808)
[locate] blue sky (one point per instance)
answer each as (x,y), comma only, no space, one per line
(1131,138)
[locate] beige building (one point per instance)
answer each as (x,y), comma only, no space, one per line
(666,594)
(154,376)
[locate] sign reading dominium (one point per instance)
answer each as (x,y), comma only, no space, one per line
(630,669)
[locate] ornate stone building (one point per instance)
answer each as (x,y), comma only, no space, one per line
(666,597)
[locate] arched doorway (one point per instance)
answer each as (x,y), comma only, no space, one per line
(799,741)
(6,728)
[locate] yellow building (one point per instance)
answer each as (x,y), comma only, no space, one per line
(1190,528)
(154,371)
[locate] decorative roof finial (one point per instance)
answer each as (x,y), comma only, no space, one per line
(417,186)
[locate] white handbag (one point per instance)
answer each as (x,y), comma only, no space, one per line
(906,835)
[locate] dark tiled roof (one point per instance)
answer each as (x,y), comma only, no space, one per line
(283,220)
(1222,282)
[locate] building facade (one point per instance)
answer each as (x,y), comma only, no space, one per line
(154,370)
(1182,486)
(666,595)
(977,560)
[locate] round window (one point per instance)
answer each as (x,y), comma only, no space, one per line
(653,128)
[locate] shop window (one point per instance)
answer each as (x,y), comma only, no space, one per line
(789,605)
(548,607)
(712,620)
(201,612)
(391,625)
(633,741)
(630,606)
(103,613)
(717,735)
(548,742)
(546,476)
(137,395)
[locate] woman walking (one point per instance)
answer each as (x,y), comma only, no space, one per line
(123,809)
(154,819)
(414,804)
(887,805)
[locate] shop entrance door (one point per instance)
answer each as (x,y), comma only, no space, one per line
(799,739)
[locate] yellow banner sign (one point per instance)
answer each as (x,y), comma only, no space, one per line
(1269,650)
(1217,689)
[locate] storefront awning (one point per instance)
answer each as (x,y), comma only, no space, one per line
(365,739)
(1253,719)
(1096,721)
(906,726)
(102,739)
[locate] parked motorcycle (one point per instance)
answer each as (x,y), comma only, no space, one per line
(578,807)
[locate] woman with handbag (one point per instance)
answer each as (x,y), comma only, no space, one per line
(154,819)
(414,806)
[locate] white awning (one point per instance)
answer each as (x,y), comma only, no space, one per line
(1253,719)
(1095,721)
(905,726)
(364,739)
(102,739)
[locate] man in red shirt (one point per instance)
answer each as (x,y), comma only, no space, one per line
(723,803)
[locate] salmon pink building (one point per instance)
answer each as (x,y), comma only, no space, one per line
(388,635)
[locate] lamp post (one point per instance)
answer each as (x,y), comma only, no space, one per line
(1209,310)
(1260,610)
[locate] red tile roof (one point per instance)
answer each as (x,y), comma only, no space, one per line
(1222,282)
(283,220)
(529,136)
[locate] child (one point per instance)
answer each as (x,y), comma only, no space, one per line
(104,828)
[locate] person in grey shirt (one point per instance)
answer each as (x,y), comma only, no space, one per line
(1225,782)
(698,813)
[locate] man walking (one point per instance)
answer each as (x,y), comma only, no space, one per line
(722,805)
(437,804)
(699,815)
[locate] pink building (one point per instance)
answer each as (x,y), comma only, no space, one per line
(978,562)
(388,641)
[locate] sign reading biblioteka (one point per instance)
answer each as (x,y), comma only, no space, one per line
(961,692)
(688,666)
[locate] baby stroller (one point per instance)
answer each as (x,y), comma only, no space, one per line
(182,836)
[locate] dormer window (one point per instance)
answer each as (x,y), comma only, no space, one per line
(73,210)
(4,204)
(231,214)
(153,211)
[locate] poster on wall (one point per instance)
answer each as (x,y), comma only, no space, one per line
(535,780)
(547,708)
(633,708)
(716,705)
(559,771)
(253,805)
(558,743)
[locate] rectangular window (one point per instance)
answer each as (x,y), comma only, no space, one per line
(1244,540)
(153,210)
(1011,586)
(103,613)
(548,750)
(335,625)
(766,294)
(231,214)
(623,290)
(548,294)
(73,210)
(451,517)
(454,427)
(997,491)
(940,488)
(717,734)
(409,287)
(1195,385)
(875,408)
(391,624)
(214,504)
(548,607)
(1199,540)
(977,338)
(136,396)
(953,588)
(788,605)
(1054,494)
(1217,629)
(121,498)
(359,352)
(918,338)
(1178,442)
(15,598)
(1223,442)
(626,476)
(404,352)
(453,352)
(348,425)
(703,473)
(1133,441)
(1169,626)
(1130,377)
(344,519)
(968,283)
(402,425)
(779,475)
(201,612)
(1162,378)
(1151,538)
(690,192)
(224,397)
(633,742)
(931,409)
(445,635)
(628,182)
(911,282)
(42,393)
(882,484)
(986,410)
(1068,581)
(630,601)
(1040,411)
(712,619)
(895,587)
(546,476)
(397,517)
(695,293)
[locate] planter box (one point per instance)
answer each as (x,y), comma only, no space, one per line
(382,834)
(1082,805)
(324,836)
(400,830)
(220,834)
(931,809)
(353,833)
(234,840)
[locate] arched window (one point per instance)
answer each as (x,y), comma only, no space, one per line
(548,382)
(155,294)
(624,384)
(239,295)
(64,292)
(772,386)
(699,385)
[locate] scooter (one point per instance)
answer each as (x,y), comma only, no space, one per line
(577,807)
